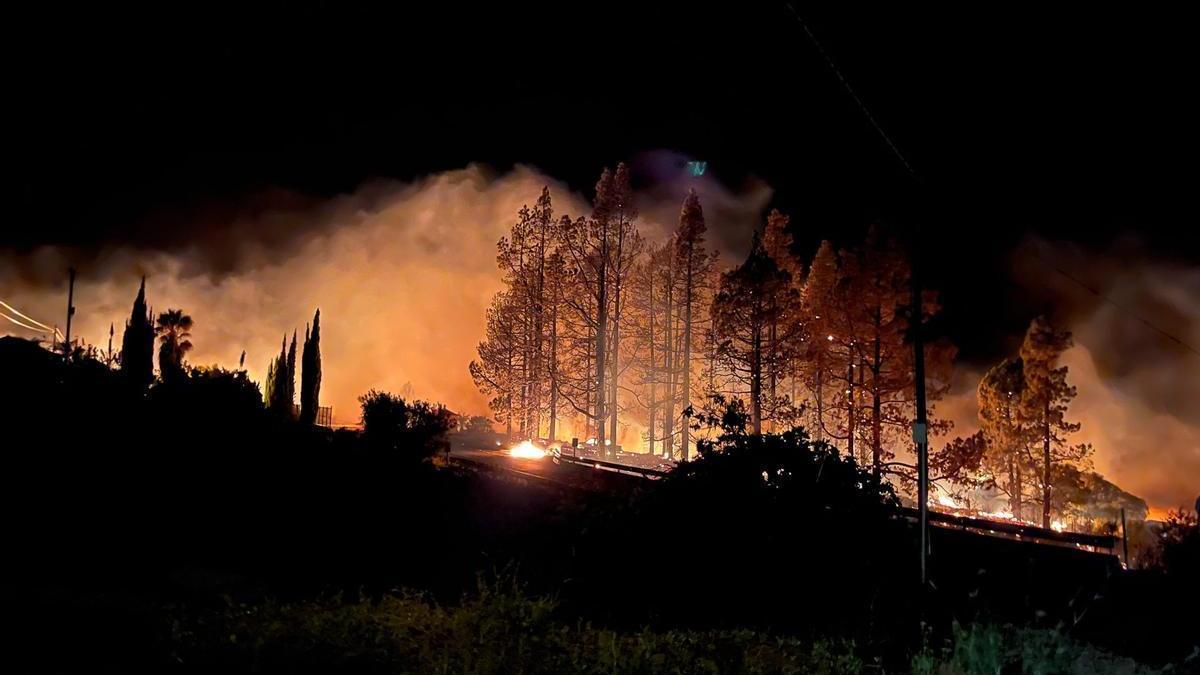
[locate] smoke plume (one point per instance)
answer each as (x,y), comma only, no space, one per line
(402,273)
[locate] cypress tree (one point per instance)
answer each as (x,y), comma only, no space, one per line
(310,382)
(137,344)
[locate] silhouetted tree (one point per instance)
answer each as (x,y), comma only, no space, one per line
(281,381)
(1179,543)
(290,379)
(751,297)
(493,372)
(174,329)
(137,343)
(785,329)
(693,262)
(310,383)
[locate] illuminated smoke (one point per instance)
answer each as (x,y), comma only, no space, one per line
(1137,389)
(403,274)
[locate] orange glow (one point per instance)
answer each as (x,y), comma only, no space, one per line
(526,450)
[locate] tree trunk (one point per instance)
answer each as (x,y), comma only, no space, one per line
(772,362)
(876,407)
(756,380)
(1046,464)
(820,396)
(669,398)
(850,410)
(553,366)
(651,374)
(616,341)
(508,431)
(686,361)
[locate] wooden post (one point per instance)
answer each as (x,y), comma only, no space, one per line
(1124,539)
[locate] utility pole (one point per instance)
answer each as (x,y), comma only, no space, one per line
(70,313)
(1125,538)
(921,425)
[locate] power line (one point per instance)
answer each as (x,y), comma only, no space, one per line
(854,95)
(22,325)
(28,318)
(900,156)
(1087,287)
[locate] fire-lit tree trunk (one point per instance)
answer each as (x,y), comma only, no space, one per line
(552,367)
(695,264)
(652,374)
(689,288)
(669,343)
(820,397)
(616,343)
(1046,463)
(876,404)
(602,215)
(772,359)
(850,410)
(756,380)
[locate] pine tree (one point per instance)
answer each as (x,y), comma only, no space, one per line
(693,263)
(137,343)
(533,274)
(1007,464)
(493,372)
(785,329)
(872,359)
(310,383)
(1044,405)
(588,246)
(626,249)
(750,298)
(819,299)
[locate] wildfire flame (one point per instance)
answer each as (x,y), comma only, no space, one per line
(526,450)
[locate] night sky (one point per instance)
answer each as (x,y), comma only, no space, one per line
(1070,125)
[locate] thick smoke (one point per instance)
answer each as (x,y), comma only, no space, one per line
(403,274)
(1138,390)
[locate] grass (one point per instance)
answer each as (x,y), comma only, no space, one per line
(502,630)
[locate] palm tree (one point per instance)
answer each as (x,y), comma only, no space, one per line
(174,329)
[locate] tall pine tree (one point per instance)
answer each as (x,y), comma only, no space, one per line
(1044,407)
(751,297)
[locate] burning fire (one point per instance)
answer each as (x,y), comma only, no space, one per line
(526,450)
(949,503)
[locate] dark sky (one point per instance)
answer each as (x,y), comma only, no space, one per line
(1069,124)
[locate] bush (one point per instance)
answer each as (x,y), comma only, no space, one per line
(987,649)
(760,531)
(416,430)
